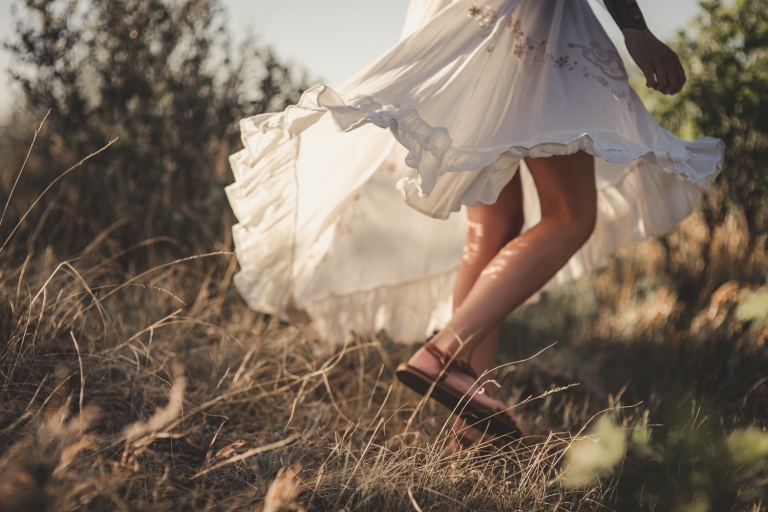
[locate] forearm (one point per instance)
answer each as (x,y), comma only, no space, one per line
(626,14)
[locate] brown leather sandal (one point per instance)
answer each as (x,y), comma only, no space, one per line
(494,421)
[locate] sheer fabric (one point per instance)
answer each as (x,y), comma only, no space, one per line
(420,12)
(350,204)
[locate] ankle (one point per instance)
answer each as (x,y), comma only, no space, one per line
(448,343)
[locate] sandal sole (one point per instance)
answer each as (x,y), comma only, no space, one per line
(479,417)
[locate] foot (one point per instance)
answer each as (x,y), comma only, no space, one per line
(462,437)
(482,390)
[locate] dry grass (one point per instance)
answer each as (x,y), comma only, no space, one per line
(165,392)
(161,391)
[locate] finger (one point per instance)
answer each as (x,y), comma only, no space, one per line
(672,81)
(670,62)
(650,79)
(676,83)
(677,66)
(661,75)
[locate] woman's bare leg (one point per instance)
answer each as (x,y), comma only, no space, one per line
(489,229)
(566,188)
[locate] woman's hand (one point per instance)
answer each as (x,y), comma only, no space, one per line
(659,64)
(657,61)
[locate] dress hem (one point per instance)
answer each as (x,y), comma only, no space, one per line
(432,152)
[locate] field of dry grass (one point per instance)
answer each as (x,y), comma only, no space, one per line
(160,390)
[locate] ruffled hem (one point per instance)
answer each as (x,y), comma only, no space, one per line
(432,152)
(407,311)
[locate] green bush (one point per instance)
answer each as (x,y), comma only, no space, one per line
(725,52)
(162,77)
(685,465)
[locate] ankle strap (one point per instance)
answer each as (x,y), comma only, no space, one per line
(445,359)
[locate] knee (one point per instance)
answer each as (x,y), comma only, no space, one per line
(578,223)
(486,239)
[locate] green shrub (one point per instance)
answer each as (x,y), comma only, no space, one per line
(725,53)
(162,77)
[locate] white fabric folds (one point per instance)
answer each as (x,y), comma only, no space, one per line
(344,201)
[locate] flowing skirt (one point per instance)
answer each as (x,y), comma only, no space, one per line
(350,204)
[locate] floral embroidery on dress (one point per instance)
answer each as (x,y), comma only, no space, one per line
(523,44)
(609,64)
(484,16)
(607,61)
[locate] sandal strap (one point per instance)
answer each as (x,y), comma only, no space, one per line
(445,359)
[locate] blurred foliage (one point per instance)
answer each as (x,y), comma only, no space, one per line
(754,306)
(162,76)
(685,465)
(689,465)
(725,52)
(595,456)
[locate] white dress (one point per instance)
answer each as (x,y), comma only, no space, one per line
(350,204)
